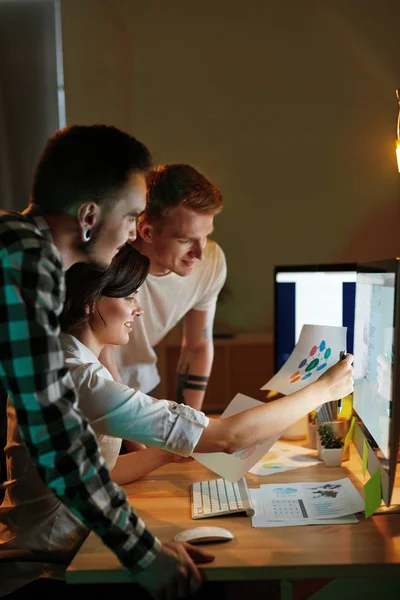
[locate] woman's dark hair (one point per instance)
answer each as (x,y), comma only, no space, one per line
(87,283)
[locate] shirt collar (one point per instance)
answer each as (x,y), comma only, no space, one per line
(45,230)
(72,344)
(43,226)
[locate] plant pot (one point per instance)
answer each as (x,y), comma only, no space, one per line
(340,427)
(332,457)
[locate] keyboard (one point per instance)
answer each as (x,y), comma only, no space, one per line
(220,497)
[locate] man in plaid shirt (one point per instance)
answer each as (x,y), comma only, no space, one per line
(89,188)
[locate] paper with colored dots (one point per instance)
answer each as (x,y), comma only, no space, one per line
(317,349)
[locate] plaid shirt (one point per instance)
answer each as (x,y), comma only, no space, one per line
(60,441)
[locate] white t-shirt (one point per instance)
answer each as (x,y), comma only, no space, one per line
(165,301)
(31,516)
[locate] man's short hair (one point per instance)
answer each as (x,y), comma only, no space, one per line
(174,185)
(86,163)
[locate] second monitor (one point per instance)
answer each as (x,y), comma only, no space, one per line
(376,397)
(319,294)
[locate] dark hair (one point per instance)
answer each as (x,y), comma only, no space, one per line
(83,163)
(87,283)
(180,185)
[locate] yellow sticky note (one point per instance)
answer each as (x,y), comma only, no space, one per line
(364,458)
(347,407)
(349,435)
(373,493)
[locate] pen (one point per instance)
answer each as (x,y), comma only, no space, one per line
(339,402)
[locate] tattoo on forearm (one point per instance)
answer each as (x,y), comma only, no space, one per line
(196,382)
(187,381)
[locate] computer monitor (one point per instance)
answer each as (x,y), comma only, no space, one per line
(376,398)
(319,294)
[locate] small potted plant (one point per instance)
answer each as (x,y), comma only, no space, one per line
(332,446)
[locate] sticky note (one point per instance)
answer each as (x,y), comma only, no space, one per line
(347,407)
(364,458)
(349,435)
(373,493)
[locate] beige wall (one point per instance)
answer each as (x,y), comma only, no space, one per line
(289,107)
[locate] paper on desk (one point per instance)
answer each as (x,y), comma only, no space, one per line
(234,466)
(259,520)
(317,349)
(306,503)
(285,457)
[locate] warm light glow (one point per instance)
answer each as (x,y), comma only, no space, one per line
(398,131)
(398,154)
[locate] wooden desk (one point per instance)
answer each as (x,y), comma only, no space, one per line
(370,548)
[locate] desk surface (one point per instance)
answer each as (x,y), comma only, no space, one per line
(368,548)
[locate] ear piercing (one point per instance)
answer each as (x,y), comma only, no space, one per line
(86,234)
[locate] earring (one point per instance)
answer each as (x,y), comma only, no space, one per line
(86,234)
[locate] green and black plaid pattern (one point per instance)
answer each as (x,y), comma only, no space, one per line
(60,441)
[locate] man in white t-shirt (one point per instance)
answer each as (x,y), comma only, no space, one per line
(187,272)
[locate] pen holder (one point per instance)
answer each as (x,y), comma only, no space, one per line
(312,435)
(297,431)
(339,427)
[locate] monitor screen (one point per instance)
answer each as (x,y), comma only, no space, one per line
(314,295)
(375,350)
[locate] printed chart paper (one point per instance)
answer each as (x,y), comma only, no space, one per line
(317,349)
(259,521)
(234,466)
(284,457)
(306,503)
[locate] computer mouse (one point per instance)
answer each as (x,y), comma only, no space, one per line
(204,535)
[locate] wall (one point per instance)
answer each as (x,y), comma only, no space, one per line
(30,90)
(289,107)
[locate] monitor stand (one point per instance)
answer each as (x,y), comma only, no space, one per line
(394,504)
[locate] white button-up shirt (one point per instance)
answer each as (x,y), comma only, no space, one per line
(116,410)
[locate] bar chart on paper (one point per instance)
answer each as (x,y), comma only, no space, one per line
(302,503)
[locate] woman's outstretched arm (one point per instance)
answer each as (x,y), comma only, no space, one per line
(257,424)
(115,409)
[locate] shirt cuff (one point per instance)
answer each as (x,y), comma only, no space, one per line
(186,431)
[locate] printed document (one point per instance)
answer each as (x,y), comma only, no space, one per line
(285,457)
(317,349)
(306,503)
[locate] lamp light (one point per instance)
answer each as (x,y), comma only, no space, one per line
(398,131)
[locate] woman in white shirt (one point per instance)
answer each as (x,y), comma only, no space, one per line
(99,311)
(100,308)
